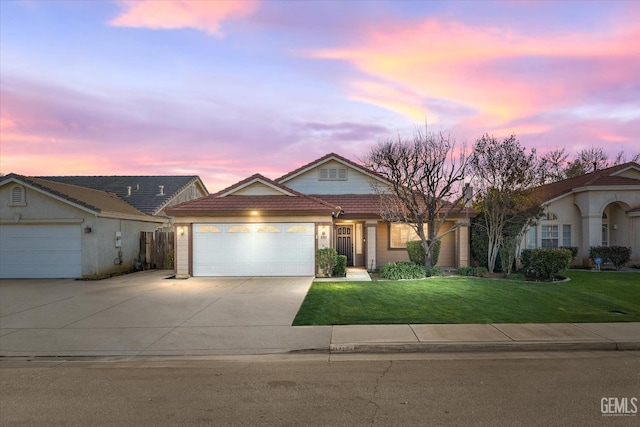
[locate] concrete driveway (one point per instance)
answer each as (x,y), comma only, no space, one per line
(147,314)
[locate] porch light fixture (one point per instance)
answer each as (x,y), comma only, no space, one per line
(181,231)
(87,230)
(254,213)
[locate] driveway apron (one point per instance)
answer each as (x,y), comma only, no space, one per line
(148,314)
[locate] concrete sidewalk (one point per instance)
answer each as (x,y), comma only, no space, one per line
(485,337)
(145,314)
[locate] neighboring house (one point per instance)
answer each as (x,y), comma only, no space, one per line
(601,208)
(149,194)
(50,228)
(264,227)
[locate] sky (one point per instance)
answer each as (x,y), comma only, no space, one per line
(226,89)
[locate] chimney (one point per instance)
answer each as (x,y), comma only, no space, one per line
(161,190)
(128,190)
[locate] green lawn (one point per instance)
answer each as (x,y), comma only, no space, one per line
(588,297)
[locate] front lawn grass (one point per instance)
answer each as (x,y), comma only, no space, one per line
(587,297)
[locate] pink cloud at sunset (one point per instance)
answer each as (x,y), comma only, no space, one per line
(173,14)
(501,74)
(153,87)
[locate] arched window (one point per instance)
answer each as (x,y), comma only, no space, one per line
(17,196)
(551,216)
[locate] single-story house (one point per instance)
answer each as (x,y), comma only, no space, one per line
(601,208)
(50,228)
(265,227)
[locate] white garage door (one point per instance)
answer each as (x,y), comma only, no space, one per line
(278,249)
(40,251)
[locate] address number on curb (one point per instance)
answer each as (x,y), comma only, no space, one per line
(342,347)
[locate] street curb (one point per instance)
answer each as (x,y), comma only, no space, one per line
(483,347)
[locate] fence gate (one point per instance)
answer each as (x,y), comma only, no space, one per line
(156,250)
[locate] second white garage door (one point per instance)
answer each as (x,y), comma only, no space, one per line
(275,249)
(40,251)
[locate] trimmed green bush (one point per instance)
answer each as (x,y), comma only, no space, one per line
(548,262)
(340,269)
(466,271)
(434,271)
(326,260)
(482,271)
(402,270)
(573,249)
(472,271)
(616,255)
(416,252)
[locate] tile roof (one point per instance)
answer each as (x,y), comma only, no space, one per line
(145,190)
(603,177)
(89,198)
(354,204)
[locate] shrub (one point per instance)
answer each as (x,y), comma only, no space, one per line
(434,271)
(416,252)
(573,249)
(616,255)
(482,271)
(326,260)
(472,271)
(402,270)
(340,269)
(466,271)
(547,263)
(525,257)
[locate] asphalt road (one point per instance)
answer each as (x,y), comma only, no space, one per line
(502,389)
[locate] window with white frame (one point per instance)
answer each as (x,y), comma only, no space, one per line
(566,235)
(549,236)
(532,237)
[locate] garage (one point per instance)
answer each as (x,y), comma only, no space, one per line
(40,251)
(254,249)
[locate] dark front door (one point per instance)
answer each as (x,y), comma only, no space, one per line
(345,242)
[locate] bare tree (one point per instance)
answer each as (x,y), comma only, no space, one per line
(621,158)
(426,176)
(594,158)
(553,164)
(505,175)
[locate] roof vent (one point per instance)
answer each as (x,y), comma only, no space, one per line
(161,190)
(128,190)
(137,187)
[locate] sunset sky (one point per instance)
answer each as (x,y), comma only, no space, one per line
(226,89)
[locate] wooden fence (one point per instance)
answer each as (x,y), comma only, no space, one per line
(156,250)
